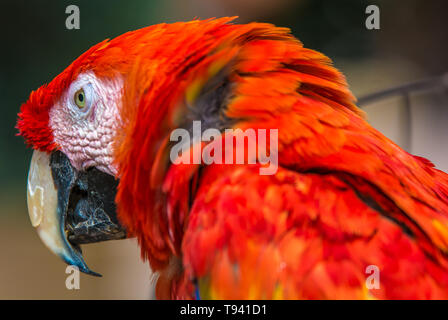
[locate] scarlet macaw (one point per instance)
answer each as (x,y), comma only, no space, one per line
(344,197)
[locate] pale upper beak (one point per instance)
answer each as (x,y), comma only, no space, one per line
(68,207)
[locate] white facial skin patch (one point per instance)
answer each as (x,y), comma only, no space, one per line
(85,119)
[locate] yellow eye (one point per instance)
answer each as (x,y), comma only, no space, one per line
(80,98)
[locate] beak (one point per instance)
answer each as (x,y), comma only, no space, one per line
(69,207)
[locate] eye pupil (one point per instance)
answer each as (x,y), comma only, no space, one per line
(81,97)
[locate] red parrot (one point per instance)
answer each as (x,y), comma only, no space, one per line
(344,197)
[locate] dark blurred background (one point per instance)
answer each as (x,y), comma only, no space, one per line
(36,46)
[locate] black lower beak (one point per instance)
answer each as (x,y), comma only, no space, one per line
(88,200)
(85,206)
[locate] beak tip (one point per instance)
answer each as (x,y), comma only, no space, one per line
(81,265)
(73,256)
(92,273)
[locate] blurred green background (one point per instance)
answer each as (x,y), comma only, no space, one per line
(36,46)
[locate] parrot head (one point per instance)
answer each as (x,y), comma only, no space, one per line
(71,124)
(100,130)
